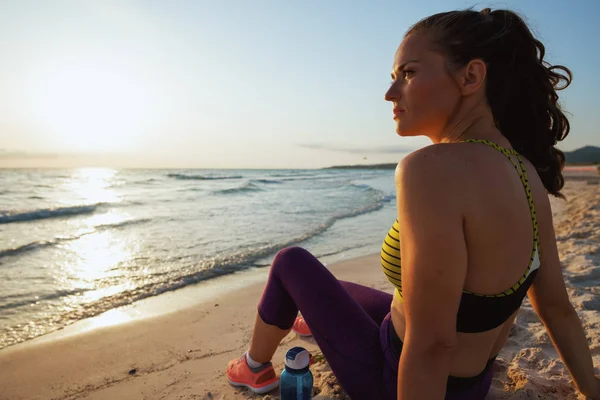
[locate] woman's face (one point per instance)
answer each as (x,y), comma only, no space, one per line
(423,93)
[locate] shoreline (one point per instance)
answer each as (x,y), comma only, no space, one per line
(174,300)
(160,305)
(146,358)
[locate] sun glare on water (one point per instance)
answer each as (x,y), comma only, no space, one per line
(91,185)
(95,260)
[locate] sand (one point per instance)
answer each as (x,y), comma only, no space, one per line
(529,367)
(183,354)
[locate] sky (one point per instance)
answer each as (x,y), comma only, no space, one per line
(237,84)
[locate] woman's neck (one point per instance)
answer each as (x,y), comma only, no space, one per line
(475,123)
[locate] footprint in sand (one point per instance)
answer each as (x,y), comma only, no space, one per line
(579,235)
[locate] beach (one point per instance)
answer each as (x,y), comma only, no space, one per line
(157,156)
(157,354)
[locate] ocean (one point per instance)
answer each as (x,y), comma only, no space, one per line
(76,243)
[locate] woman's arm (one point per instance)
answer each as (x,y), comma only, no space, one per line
(549,298)
(434,266)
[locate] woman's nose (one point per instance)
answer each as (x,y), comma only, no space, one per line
(392,93)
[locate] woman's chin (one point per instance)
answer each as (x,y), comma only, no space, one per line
(403,132)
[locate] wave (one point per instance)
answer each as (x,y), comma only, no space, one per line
(381,196)
(35,246)
(364,187)
(341,250)
(246,259)
(192,189)
(50,296)
(245,188)
(222,264)
(123,224)
(310,178)
(28,248)
(143,181)
(184,177)
(290,175)
(267,181)
(46,213)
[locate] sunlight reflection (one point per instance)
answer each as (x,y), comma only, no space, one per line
(111,317)
(97,253)
(93,185)
(109,218)
(95,262)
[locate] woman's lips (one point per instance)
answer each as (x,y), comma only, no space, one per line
(397,111)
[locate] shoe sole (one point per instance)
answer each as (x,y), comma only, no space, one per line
(300,334)
(259,390)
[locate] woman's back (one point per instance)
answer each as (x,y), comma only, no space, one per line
(499,238)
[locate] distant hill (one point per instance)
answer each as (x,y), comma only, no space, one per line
(584,155)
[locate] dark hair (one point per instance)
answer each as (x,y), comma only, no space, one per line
(520,85)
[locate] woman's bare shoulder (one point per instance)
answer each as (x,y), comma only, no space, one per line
(435,164)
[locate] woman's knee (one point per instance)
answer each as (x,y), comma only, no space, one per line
(289,257)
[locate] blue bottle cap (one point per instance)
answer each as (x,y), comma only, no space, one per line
(297,358)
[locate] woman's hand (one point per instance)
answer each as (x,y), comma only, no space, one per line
(593,393)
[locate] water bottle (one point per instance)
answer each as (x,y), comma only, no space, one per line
(296,381)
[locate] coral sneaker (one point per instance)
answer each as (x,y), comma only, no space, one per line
(259,380)
(300,327)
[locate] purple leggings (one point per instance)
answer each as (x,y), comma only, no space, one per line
(350,323)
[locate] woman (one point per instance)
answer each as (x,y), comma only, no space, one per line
(474,227)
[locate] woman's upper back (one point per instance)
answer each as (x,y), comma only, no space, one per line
(501,223)
(502,208)
(495,217)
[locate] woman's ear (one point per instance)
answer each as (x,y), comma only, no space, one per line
(471,77)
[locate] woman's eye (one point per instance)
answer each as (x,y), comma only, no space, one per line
(407,73)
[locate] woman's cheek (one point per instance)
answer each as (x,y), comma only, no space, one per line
(422,103)
(433,102)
